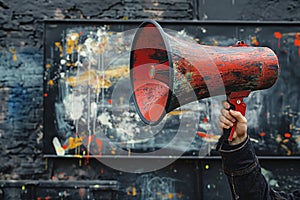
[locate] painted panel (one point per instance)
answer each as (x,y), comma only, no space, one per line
(88,102)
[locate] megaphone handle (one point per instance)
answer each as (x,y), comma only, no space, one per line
(228,133)
(236,104)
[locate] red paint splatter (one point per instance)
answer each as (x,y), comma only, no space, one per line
(201,134)
(262,134)
(87,159)
(241,44)
(205,120)
(287,135)
(45,94)
(110,101)
(99,146)
(278,36)
(47,198)
(297,43)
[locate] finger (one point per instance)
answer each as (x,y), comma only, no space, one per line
(225,121)
(222,126)
(238,116)
(227,114)
(225,104)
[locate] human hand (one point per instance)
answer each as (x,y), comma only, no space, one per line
(227,119)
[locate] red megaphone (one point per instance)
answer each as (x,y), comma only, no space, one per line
(168,72)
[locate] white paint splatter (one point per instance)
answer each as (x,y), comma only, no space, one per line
(74,106)
(104,119)
(93,109)
(57,146)
(63,61)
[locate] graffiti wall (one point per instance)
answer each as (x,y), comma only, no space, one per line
(88,99)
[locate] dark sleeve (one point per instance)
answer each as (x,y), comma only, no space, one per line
(243,172)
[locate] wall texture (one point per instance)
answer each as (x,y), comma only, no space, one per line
(21,68)
(21,58)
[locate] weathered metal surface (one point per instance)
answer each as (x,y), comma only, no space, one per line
(168,72)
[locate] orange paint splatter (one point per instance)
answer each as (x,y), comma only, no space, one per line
(45,94)
(278,36)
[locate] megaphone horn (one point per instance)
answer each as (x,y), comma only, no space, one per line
(159,62)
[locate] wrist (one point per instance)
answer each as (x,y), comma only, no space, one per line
(238,140)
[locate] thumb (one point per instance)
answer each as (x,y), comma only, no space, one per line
(238,116)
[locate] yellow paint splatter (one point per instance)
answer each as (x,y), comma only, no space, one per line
(72,143)
(216,43)
(51,82)
(58,45)
(254,41)
(13,51)
(101,46)
(72,42)
(48,66)
(91,77)
(134,191)
(113,151)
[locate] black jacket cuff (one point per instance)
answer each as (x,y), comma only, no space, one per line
(238,159)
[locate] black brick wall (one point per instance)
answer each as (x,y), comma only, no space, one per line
(21,58)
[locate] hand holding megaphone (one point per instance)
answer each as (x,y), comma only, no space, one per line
(231,118)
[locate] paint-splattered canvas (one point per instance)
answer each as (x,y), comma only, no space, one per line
(88,99)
